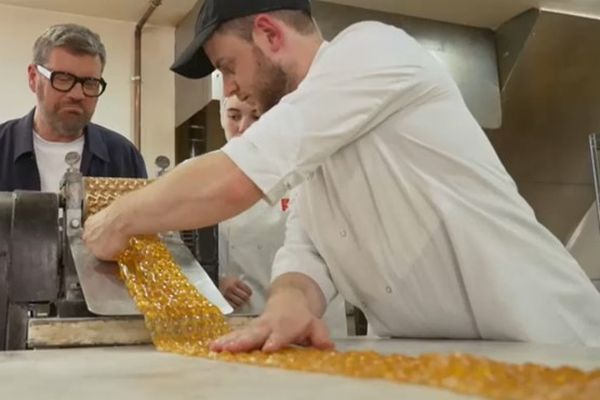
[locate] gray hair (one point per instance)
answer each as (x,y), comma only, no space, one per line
(77,39)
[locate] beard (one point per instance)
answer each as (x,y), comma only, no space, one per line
(64,124)
(271,82)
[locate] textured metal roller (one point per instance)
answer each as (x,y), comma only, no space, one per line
(100,192)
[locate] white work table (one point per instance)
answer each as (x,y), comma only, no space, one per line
(142,373)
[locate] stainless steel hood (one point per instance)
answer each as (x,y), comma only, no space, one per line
(468,53)
(551,104)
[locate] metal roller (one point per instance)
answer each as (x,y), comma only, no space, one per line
(30,254)
(5,222)
(100,192)
(35,247)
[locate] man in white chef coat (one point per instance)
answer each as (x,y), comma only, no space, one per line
(403,207)
(249,241)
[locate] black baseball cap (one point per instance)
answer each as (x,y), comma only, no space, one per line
(193,62)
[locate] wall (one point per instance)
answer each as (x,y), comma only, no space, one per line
(191,94)
(19,27)
(550,105)
(158,95)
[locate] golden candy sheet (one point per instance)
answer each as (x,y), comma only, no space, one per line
(182,321)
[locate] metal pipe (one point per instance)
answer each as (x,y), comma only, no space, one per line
(137,74)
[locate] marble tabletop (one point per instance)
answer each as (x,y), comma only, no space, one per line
(142,373)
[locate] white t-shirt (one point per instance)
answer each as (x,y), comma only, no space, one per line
(405,208)
(50,159)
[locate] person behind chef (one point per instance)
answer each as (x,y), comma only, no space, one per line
(403,207)
(249,241)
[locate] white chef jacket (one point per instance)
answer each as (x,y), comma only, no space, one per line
(405,208)
(247,247)
(50,160)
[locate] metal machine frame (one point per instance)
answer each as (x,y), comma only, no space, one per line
(595,156)
(53,292)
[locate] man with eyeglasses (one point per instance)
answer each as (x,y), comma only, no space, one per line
(66,77)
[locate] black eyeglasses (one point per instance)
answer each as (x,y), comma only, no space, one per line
(64,82)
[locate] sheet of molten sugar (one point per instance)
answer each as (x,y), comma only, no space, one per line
(182,321)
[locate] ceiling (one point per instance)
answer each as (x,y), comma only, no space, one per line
(482,13)
(169,13)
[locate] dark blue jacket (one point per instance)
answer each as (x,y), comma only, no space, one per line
(105,154)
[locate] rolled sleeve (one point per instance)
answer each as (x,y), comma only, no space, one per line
(260,165)
(299,255)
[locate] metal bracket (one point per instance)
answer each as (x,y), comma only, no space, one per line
(594,150)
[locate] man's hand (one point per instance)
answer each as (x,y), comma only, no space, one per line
(102,235)
(287,320)
(235,291)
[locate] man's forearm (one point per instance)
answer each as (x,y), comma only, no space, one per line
(201,192)
(302,285)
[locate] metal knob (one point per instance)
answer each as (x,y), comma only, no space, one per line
(162,162)
(72,159)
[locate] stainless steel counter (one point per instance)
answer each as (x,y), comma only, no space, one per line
(142,373)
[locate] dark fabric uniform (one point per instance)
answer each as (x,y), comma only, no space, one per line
(105,154)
